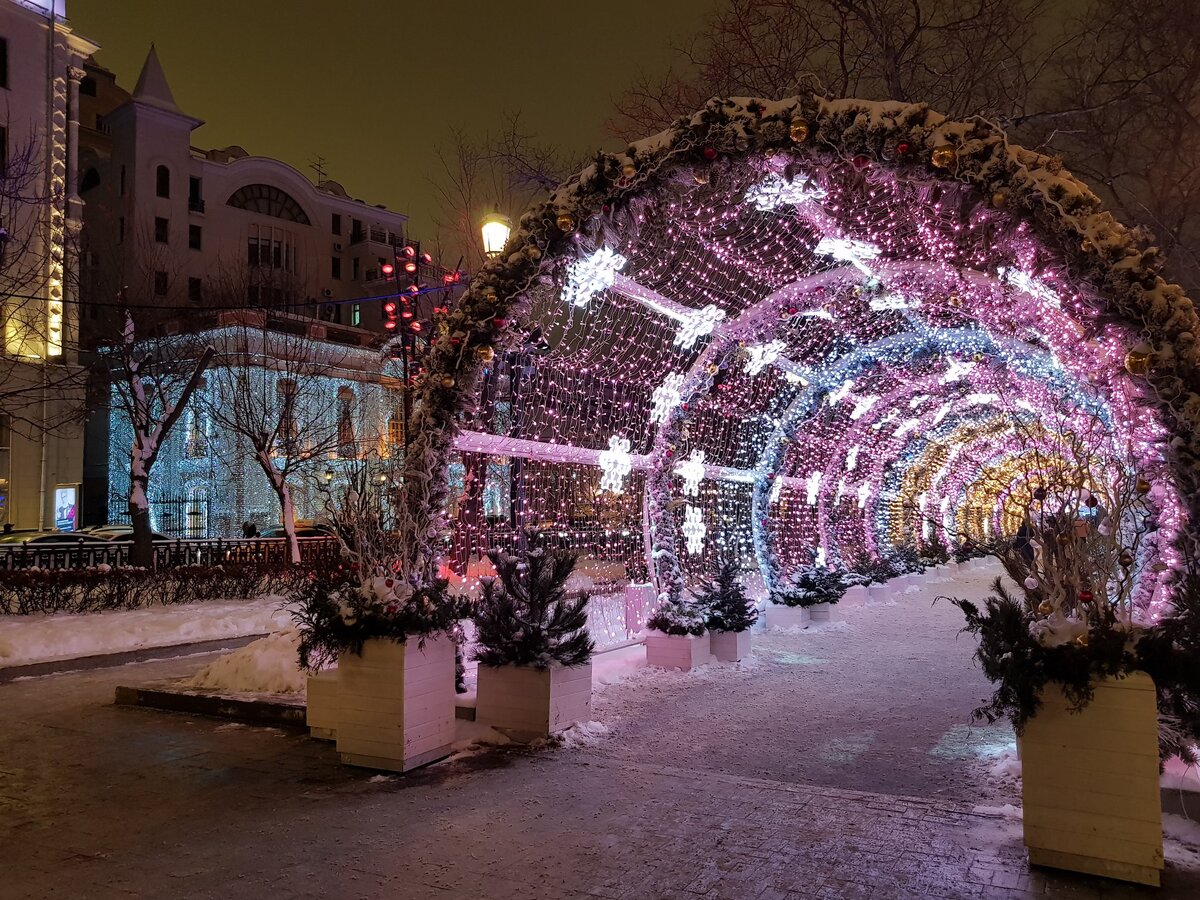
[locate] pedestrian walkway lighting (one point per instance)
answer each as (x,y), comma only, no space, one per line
(495,229)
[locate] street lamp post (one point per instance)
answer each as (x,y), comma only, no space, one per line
(495,229)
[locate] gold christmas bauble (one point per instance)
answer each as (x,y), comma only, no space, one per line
(954,300)
(700,177)
(1142,486)
(485,354)
(943,156)
(629,170)
(447,382)
(566,222)
(1086,246)
(999,199)
(799,131)
(1138,360)
(713,369)
(1045,607)
(1125,559)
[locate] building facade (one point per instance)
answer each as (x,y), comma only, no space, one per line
(176,233)
(41,383)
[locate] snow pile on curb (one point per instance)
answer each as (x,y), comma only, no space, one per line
(1006,768)
(25,640)
(269,665)
(1007,811)
(583,735)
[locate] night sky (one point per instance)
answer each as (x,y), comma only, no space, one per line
(374,87)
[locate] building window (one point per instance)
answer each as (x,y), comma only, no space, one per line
(395,430)
(162,181)
(195,195)
(271,248)
(336,268)
(160,284)
(195,233)
(355,269)
(253,295)
(345,424)
(3,149)
(121,229)
(122,181)
(87,86)
(337,223)
(356,230)
(162,230)
(356,315)
(270,201)
(195,290)
(3,62)
(90,179)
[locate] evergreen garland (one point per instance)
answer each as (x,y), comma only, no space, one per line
(729,609)
(524,617)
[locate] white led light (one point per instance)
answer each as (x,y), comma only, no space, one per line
(763,355)
(665,398)
(694,529)
(589,276)
(813,486)
(775,190)
(691,470)
(615,464)
(862,406)
(848,250)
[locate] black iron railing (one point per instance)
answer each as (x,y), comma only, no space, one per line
(83,554)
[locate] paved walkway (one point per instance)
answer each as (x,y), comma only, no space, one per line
(681,800)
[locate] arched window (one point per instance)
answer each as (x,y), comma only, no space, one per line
(91,179)
(347,448)
(162,181)
(269,201)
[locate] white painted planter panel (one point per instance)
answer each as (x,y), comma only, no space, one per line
(820,612)
(781,616)
(321,707)
(671,651)
(396,704)
(729,646)
(854,596)
(1090,786)
(526,702)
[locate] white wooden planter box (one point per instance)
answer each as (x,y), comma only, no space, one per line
(820,612)
(672,651)
(854,596)
(320,713)
(781,616)
(526,703)
(878,593)
(396,704)
(1089,783)
(729,646)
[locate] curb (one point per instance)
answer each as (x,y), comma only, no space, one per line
(124,658)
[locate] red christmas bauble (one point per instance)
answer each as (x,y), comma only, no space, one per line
(710,153)
(861,162)
(903,148)
(1086,597)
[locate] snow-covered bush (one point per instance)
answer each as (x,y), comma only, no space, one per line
(678,616)
(524,617)
(728,608)
(810,586)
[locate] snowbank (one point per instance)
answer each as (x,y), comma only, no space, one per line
(269,665)
(60,636)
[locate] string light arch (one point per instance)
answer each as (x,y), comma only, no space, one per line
(824,298)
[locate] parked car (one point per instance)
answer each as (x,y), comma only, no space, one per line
(68,538)
(121,533)
(309,529)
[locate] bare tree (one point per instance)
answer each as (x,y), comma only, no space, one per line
(1114,89)
(502,171)
(154,379)
(267,389)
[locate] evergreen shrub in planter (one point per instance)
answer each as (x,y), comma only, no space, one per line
(677,635)
(730,612)
(810,592)
(534,651)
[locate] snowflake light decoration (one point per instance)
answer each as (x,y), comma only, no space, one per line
(696,325)
(956,369)
(848,250)
(864,494)
(665,398)
(890,301)
(694,529)
(1025,282)
(691,470)
(776,491)
(812,487)
(615,464)
(862,406)
(775,191)
(589,276)
(763,355)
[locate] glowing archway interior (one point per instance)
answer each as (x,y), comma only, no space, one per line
(807,331)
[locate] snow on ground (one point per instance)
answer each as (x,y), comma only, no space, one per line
(60,636)
(268,665)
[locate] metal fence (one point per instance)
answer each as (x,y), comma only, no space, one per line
(82,554)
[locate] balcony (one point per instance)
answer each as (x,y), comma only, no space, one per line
(376,235)
(195,204)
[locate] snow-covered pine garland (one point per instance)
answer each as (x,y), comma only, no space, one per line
(1118,263)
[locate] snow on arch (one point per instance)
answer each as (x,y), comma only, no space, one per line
(821,226)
